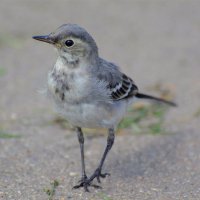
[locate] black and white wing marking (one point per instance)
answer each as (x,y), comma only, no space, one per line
(124,89)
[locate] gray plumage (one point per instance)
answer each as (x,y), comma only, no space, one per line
(88,90)
(82,84)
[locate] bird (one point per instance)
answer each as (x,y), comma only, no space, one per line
(88,91)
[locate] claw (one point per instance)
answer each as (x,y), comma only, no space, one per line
(97,174)
(102,176)
(98,179)
(85,183)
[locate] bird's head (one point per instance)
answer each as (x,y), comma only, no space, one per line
(72,42)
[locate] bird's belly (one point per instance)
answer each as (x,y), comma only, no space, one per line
(93,115)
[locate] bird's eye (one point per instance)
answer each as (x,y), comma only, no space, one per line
(69,43)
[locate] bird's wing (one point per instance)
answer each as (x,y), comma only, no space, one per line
(124,88)
(120,85)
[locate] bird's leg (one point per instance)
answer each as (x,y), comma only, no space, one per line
(81,142)
(84,182)
(97,173)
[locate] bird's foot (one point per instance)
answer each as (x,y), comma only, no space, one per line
(97,174)
(85,183)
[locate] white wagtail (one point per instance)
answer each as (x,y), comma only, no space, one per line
(88,90)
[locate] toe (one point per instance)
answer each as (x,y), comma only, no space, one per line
(86,188)
(96,186)
(98,179)
(104,175)
(77,186)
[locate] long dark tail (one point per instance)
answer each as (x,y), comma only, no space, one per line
(145,96)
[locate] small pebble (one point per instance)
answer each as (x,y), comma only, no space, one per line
(72,173)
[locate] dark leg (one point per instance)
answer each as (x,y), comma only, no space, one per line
(81,142)
(84,180)
(97,174)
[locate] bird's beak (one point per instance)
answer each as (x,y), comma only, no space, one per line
(44,38)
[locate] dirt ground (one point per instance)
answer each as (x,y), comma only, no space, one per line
(153,41)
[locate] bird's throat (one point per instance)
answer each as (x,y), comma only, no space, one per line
(69,61)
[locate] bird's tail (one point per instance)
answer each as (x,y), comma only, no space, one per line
(145,96)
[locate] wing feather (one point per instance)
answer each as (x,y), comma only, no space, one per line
(119,85)
(124,89)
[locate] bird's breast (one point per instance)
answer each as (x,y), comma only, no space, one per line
(68,86)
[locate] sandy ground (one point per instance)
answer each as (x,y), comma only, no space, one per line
(152,41)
